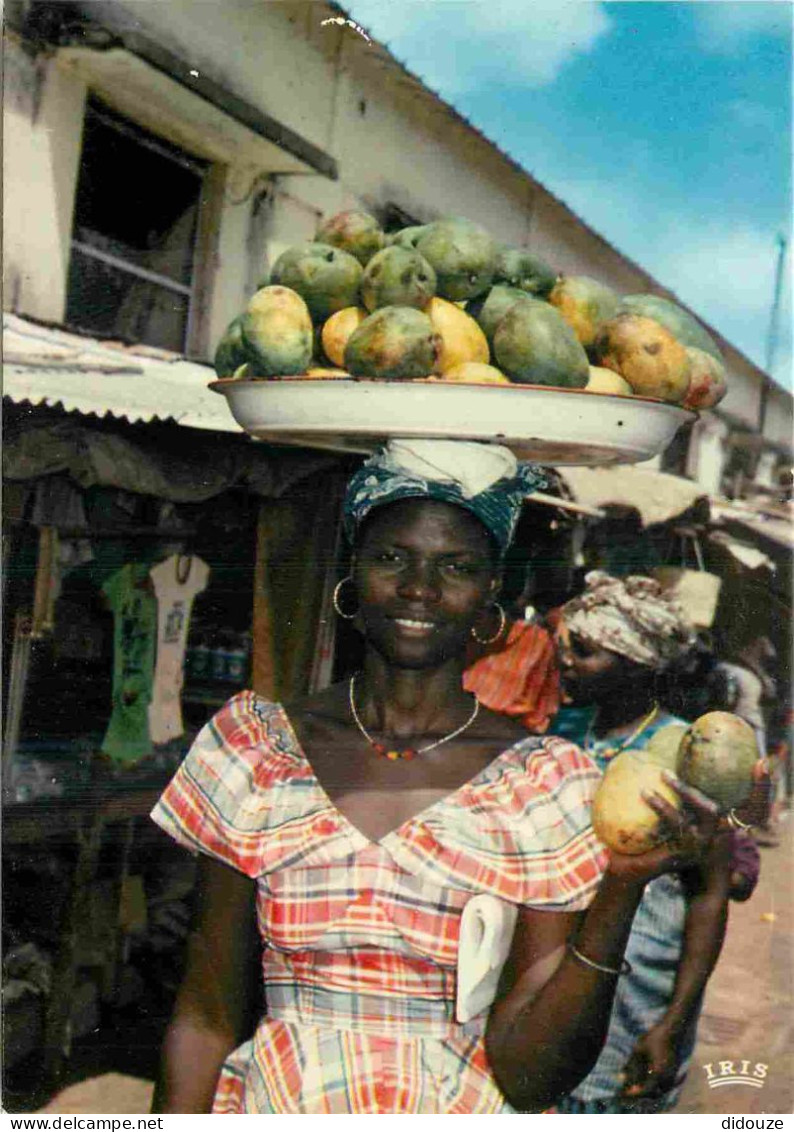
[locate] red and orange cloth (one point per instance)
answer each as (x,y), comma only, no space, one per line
(518,676)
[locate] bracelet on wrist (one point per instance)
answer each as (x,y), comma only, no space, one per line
(624,969)
(736,822)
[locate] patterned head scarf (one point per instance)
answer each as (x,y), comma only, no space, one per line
(630,616)
(485,479)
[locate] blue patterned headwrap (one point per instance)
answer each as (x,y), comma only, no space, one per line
(485,479)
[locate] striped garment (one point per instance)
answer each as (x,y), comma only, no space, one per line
(519,676)
(361,936)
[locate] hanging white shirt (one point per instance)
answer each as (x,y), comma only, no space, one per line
(176,582)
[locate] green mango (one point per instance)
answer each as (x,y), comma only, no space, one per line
(534,345)
(463,256)
(358,233)
(231,353)
(277,332)
(406,237)
(327,278)
(489,309)
(516,267)
(397,277)
(394,342)
(717,755)
(681,324)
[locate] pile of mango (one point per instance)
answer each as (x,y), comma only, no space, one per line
(443,301)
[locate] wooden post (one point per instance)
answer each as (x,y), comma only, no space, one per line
(263,676)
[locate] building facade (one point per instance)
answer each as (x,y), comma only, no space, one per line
(159,157)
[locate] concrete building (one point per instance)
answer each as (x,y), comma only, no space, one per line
(159,156)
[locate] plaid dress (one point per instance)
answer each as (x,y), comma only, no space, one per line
(361,936)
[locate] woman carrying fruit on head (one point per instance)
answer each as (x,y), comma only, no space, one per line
(621,642)
(353,827)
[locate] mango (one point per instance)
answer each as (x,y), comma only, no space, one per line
(642,351)
(461,338)
(717,755)
(230,353)
(406,237)
(621,817)
(327,278)
(585,304)
(323,372)
(709,381)
(474,373)
(534,345)
(357,233)
(394,342)
(607,381)
(277,332)
(397,277)
(489,309)
(662,747)
(516,267)
(463,256)
(681,324)
(336,331)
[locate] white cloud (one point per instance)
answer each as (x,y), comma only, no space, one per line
(724,26)
(457,45)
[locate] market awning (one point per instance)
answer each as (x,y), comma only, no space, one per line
(656,495)
(46,365)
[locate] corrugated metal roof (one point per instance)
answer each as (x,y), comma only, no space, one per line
(46,365)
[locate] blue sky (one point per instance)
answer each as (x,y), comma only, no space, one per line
(665,126)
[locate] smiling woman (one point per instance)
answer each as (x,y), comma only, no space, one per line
(357,867)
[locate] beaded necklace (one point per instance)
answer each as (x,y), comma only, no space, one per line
(610,752)
(407,753)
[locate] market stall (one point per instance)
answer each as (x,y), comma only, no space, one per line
(149,568)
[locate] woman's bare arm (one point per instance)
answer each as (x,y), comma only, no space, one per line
(546,1029)
(215,1004)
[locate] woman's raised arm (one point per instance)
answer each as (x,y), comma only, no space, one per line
(216,1003)
(547,1027)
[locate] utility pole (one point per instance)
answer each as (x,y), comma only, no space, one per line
(772,335)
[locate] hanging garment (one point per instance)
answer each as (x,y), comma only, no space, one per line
(176,582)
(134,634)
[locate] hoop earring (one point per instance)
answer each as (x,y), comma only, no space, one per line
(337,590)
(499,631)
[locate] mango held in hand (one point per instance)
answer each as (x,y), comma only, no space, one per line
(717,756)
(356,233)
(621,818)
(277,332)
(327,278)
(394,342)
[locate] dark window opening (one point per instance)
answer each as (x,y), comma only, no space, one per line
(135,220)
(393,218)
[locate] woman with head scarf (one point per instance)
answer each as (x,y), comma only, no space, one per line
(353,828)
(622,641)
